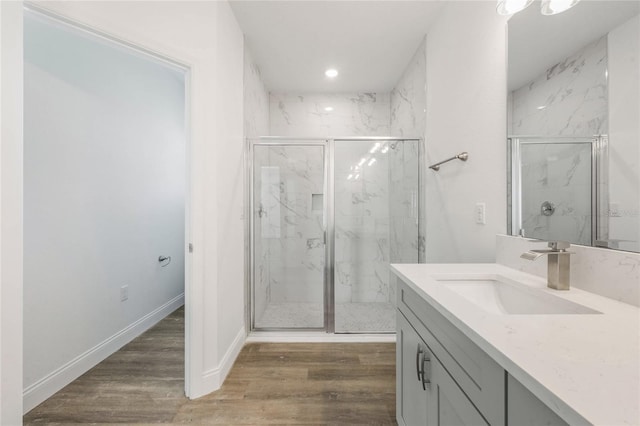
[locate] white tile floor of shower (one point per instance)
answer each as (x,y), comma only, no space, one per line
(350,317)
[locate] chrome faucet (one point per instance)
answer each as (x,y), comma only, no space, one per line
(558,267)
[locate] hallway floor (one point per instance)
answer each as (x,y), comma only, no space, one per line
(270,383)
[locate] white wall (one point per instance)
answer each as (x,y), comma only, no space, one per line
(229,156)
(466,111)
(10,213)
(624,134)
(104,197)
(204,36)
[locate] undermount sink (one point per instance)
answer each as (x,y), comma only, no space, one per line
(501,295)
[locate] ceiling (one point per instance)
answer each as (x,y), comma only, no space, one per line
(537,42)
(369,42)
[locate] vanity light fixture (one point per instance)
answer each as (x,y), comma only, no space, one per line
(547,7)
(509,7)
(552,7)
(331,73)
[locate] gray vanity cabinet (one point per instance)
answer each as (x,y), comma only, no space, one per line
(445,379)
(411,394)
(524,409)
(427,394)
(442,377)
(448,405)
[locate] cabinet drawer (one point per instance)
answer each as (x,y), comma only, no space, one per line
(479,376)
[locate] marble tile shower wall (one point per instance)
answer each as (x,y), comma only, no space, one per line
(353,114)
(256,123)
(408,118)
(291,222)
(569,99)
(561,175)
(409,98)
(362,225)
(256,100)
(362,218)
(406,236)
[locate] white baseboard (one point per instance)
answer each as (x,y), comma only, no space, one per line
(56,380)
(212,379)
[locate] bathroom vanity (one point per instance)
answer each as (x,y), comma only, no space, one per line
(484,344)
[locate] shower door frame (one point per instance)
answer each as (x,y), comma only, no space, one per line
(250,226)
(599,156)
(328,213)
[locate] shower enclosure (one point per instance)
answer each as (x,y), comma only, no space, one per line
(328,216)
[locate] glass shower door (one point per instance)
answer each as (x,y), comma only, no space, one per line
(376,223)
(288,236)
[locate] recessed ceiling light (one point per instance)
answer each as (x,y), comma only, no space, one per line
(328,109)
(331,73)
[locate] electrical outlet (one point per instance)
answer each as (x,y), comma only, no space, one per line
(124,293)
(480,213)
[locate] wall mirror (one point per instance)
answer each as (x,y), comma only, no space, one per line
(574,124)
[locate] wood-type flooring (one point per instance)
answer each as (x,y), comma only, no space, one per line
(270,383)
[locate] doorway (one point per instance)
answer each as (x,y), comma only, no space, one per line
(105,196)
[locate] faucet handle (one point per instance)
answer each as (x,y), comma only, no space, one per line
(559,245)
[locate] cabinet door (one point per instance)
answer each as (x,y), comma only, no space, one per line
(525,409)
(411,398)
(448,405)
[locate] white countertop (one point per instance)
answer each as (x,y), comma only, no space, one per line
(586,368)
